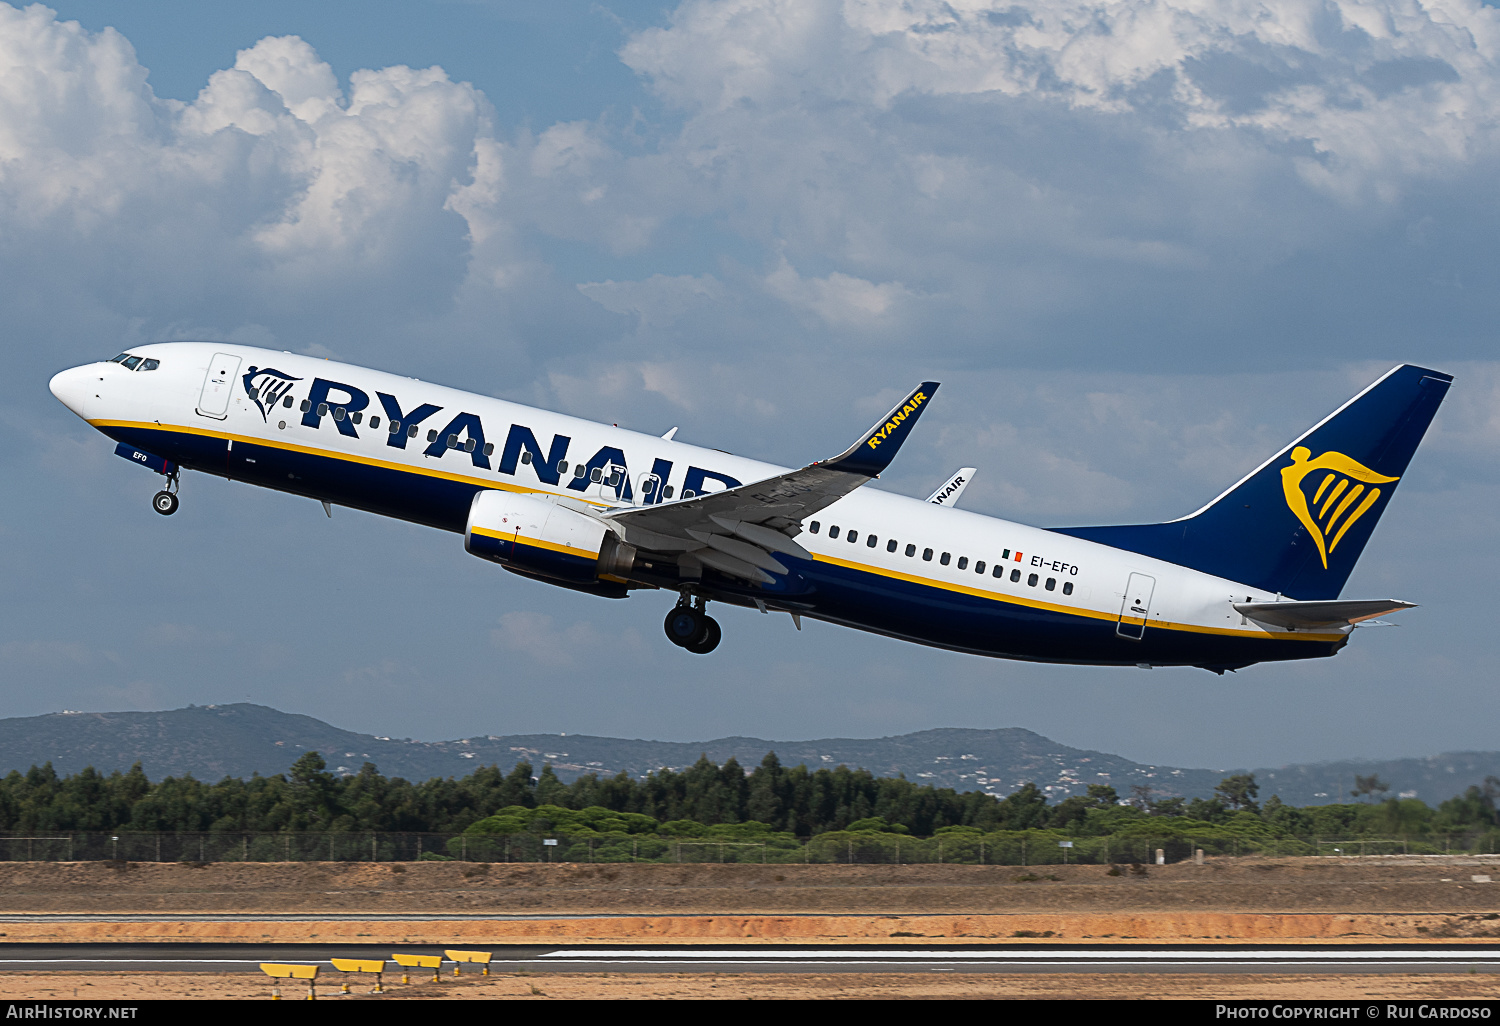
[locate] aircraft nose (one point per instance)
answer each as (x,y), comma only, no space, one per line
(72,387)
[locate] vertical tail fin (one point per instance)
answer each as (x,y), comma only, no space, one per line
(1297,523)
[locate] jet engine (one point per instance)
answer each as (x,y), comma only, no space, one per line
(543,539)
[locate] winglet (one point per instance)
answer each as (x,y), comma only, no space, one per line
(949,491)
(874,452)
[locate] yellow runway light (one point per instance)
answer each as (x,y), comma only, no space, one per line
(433,962)
(481,957)
(360,965)
(288,971)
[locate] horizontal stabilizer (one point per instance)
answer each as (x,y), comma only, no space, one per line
(1296,616)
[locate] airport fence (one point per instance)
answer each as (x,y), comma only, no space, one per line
(1014,848)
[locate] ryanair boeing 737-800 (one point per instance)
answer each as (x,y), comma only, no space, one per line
(1254,575)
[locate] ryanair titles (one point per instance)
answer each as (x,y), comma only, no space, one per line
(889,427)
(604,473)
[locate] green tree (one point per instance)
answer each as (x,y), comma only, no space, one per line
(1371,785)
(1238,792)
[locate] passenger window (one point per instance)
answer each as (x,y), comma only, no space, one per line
(356,417)
(927,555)
(614,479)
(374,423)
(562,467)
(1000,571)
(853,537)
(287,402)
(1015,575)
(667,491)
(489,447)
(596,475)
(1052,584)
(815,526)
(150,365)
(252,392)
(870,541)
(339,413)
(1031,580)
(526,457)
(322,409)
(411,431)
(580,470)
(469,445)
(1067,587)
(963,562)
(944,559)
(890,546)
(688,493)
(431,434)
(833,532)
(979,567)
(911,550)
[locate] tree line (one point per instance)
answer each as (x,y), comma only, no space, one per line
(785,799)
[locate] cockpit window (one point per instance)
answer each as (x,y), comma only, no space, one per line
(133,362)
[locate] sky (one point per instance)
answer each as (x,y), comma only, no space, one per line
(1142,245)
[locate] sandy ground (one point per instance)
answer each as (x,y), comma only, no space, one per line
(1324,900)
(1415,885)
(799,986)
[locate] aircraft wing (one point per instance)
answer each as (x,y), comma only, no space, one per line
(738,531)
(1325,613)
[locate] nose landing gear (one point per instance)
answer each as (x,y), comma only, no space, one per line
(689,626)
(165,501)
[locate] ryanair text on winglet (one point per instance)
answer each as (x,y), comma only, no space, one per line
(917,399)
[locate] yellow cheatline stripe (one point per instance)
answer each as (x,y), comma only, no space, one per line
(536,543)
(1070,610)
(406,468)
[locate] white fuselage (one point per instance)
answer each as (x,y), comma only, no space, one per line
(212,416)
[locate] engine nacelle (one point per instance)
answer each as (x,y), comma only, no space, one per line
(543,539)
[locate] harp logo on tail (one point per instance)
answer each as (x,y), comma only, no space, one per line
(1343,490)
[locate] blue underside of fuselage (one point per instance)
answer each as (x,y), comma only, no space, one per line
(867,601)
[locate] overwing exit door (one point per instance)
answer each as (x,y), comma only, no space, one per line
(1135,607)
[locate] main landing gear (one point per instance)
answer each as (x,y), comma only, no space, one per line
(689,626)
(165,501)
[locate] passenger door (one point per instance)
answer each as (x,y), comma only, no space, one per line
(217,385)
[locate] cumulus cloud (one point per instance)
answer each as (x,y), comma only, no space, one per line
(1048,167)
(271,190)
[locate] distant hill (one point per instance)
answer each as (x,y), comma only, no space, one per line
(214,741)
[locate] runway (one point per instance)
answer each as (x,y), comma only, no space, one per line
(221,958)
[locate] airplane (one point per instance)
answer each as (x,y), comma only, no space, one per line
(1253,576)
